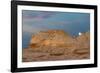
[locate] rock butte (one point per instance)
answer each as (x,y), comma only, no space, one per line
(57,42)
(51,38)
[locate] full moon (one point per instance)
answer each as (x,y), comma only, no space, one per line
(79,33)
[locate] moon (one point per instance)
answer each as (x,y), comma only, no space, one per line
(79,33)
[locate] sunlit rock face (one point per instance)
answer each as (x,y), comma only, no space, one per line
(52,38)
(84,40)
(84,37)
(57,45)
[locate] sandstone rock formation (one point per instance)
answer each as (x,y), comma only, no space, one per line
(57,45)
(51,38)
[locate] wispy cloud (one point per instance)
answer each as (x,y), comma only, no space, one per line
(31,29)
(34,21)
(37,15)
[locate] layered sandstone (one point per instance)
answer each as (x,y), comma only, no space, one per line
(57,45)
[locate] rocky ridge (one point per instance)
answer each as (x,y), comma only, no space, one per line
(57,45)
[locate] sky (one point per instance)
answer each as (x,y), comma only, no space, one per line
(70,22)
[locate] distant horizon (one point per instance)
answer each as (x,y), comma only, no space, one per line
(35,21)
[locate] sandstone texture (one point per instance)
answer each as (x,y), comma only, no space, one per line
(57,45)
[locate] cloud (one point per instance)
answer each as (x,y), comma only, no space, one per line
(37,15)
(31,29)
(35,21)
